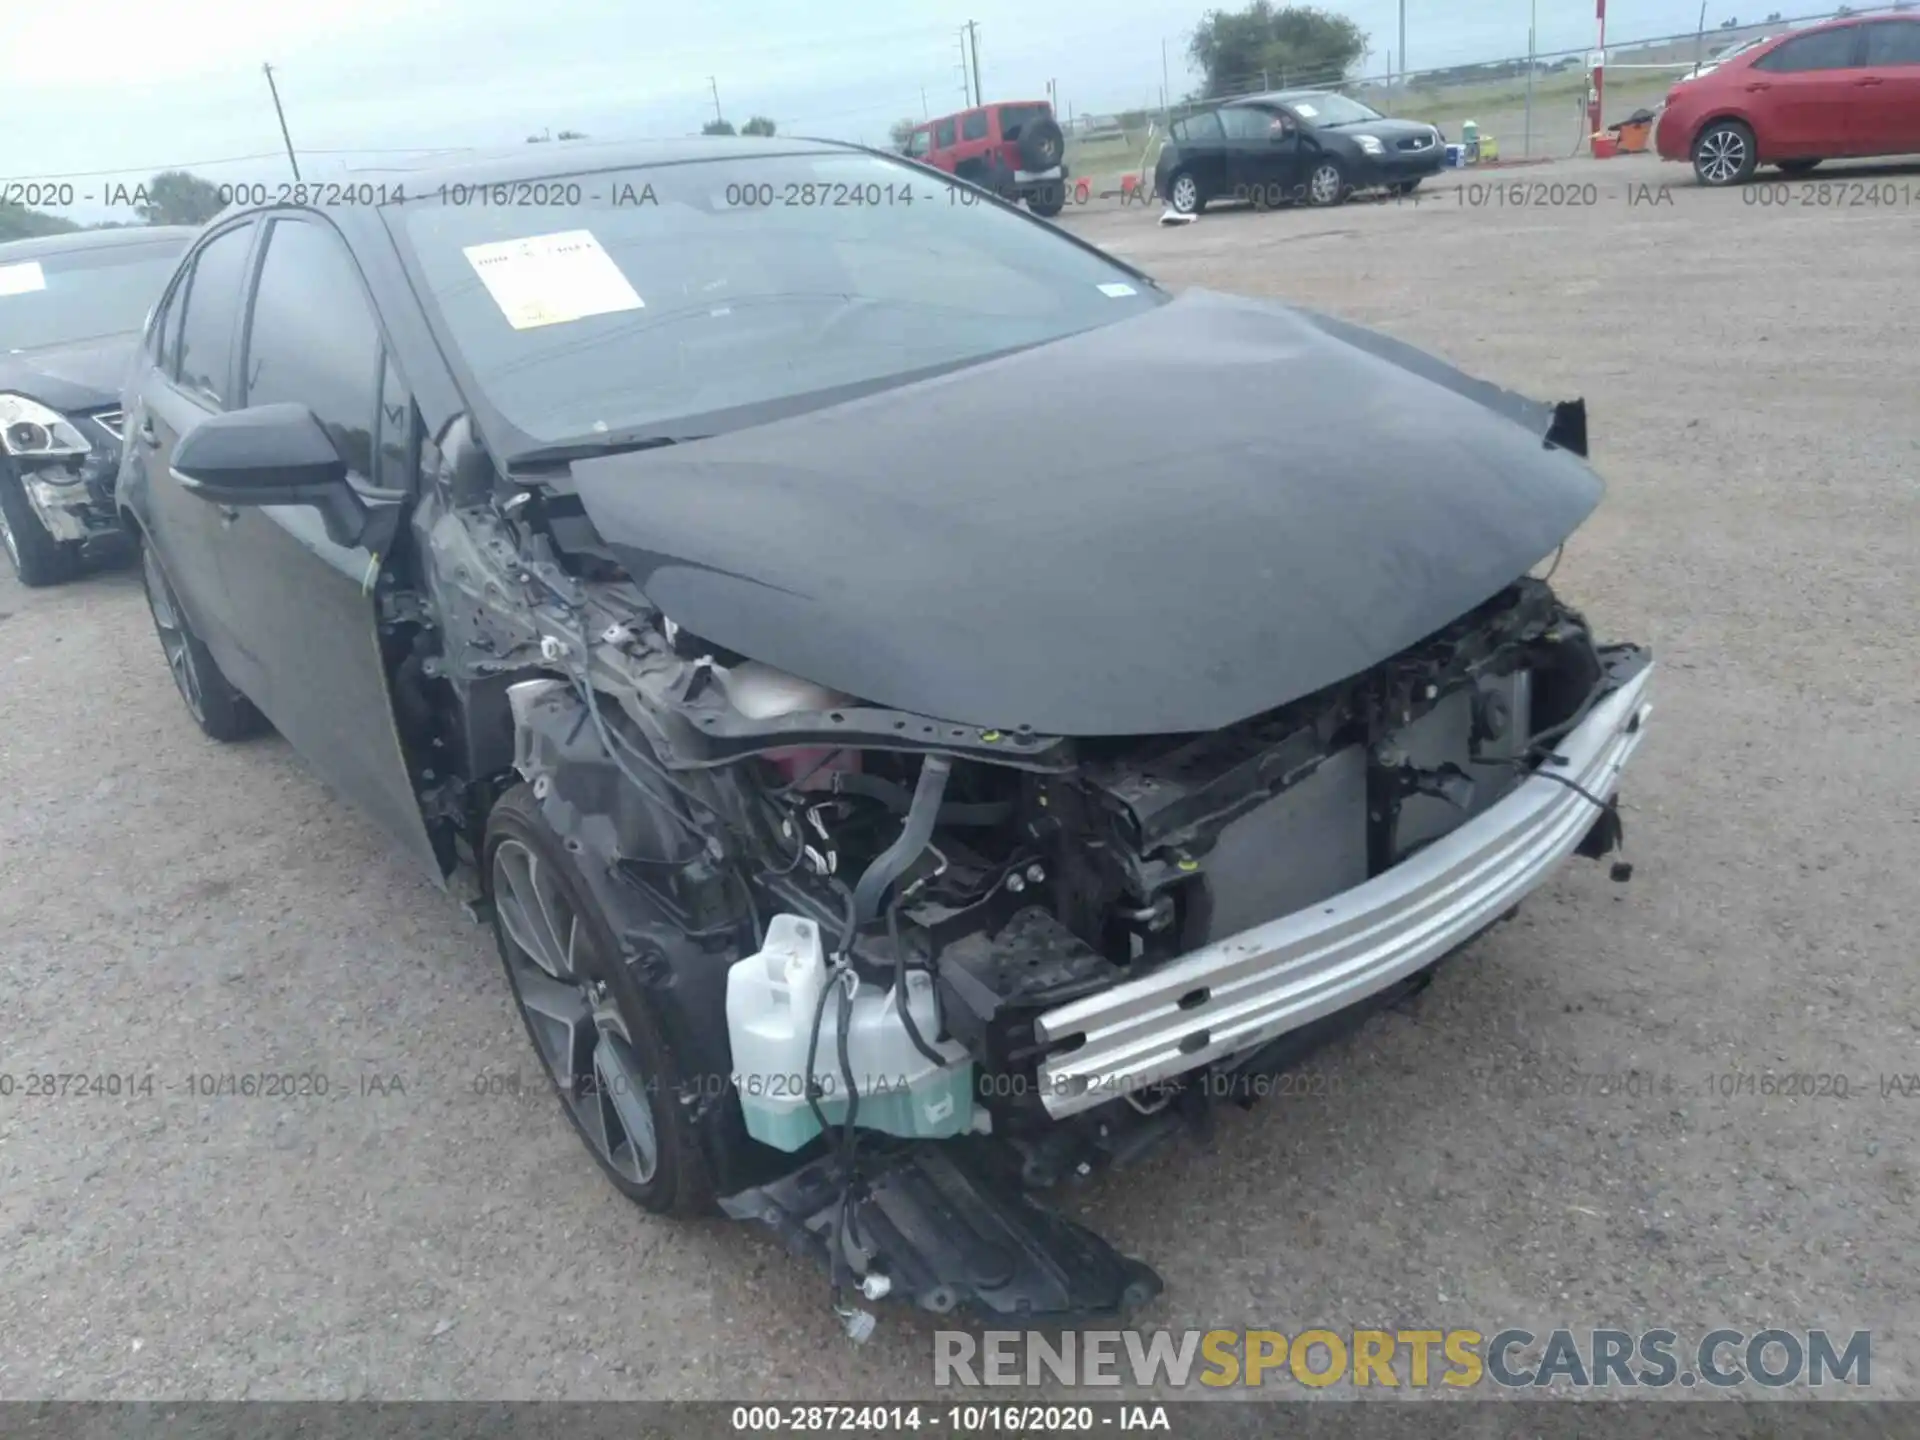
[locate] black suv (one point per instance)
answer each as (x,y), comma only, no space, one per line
(1311,146)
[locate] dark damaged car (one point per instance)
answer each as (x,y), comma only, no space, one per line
(885,812)
(71,308)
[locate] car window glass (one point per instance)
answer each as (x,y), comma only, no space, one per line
(162,323)
(396,429)
(1204,127)
(943,134)
(920,142)
(1822,50)
(313,339)
(1243,122)
(1013,118)
(973,125)
(1893,42)
(213,301)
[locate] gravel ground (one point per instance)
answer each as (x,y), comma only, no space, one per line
(171,908)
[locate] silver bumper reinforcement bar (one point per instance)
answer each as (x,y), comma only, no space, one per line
(1238,993)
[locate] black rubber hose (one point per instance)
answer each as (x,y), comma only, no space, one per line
(891,863)
(900,990)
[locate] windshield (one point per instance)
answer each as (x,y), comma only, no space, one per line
(650,297)
(1329,110)
(75,295)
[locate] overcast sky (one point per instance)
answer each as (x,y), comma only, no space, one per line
(128,87)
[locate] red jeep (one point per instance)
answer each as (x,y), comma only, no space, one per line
(1015,149)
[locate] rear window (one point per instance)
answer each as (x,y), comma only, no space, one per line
(1014,117)
(1199,129)
(742,287)
(1893,42)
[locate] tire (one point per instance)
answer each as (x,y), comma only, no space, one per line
(1724,154)
(1184,195)
(1047,201)
(1042,144)
(1797,167)
(38,559)
(1326,184)
(586,1017)
(221,712)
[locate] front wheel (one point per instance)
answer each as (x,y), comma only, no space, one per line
(597,1037)
(1183,194)
(1724,154)
(38,559)
(221,711)
(1327,184)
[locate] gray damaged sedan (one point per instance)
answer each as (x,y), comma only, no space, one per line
(885,812)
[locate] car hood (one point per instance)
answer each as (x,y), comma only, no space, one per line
(83,376)
(1167,524)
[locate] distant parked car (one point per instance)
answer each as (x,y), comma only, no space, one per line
(1848,88)
(1015,149)
(71,308)
(1291,145)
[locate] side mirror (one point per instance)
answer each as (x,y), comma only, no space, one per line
(271,455)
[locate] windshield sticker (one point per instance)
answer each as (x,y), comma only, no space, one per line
(22,278)
(1116,290)
(551,279)
(1306,111)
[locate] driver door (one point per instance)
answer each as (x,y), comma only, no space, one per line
(1263,152)
(307,608)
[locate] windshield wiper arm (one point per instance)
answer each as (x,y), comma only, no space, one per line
(592,449)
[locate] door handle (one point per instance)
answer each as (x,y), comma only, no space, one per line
(147,435)
(1757,86)
(1869,80)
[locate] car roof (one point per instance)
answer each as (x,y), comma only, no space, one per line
(1281,97)
(68,241)
(575,157)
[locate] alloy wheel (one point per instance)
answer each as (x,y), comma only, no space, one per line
(1723,154)
(1185,195)
(1324,187)
(6,538)
(575,1024)
(175,642)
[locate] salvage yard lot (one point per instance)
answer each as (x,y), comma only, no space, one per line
(1567,1129)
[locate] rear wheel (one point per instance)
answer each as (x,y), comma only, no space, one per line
(221,711)
(1047,201)
(1326,184)
(1042,144)
(1724,154)
(596,1036)
(1184,195)
(1797,167)
(38,559)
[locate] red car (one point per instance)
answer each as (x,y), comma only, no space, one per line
(1015,149)
(1848,88)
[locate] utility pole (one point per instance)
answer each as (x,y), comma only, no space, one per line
(714,85)
(274,90)
(966,78)
(925,113)
(1403,44)
(973,39)
(1164,86)
(1533,19)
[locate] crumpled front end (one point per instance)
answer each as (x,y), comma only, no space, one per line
(70,485)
